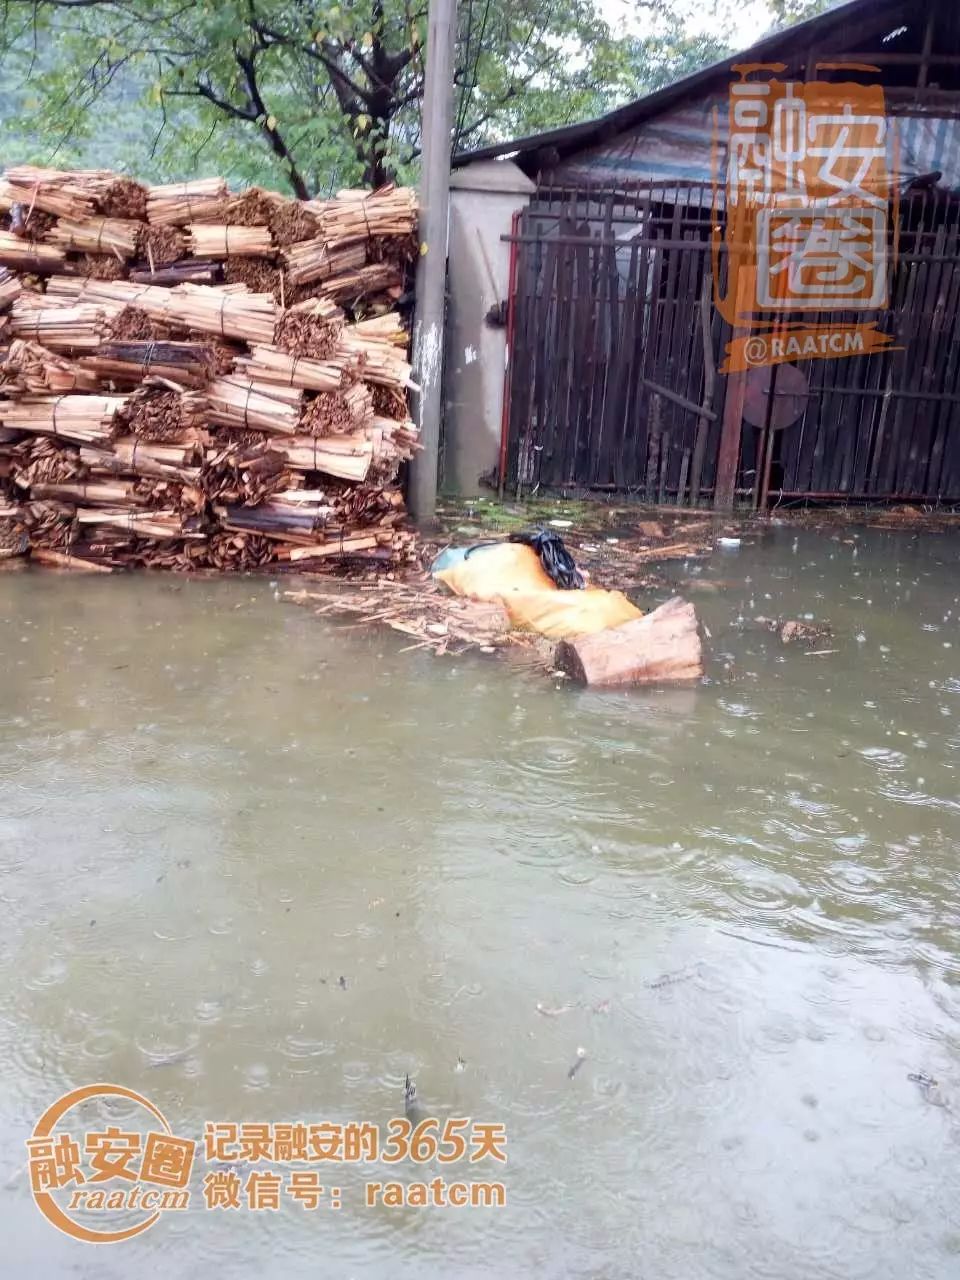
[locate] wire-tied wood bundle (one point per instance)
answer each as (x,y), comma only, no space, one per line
(130,456)
(30,255)
(247,405)
(355,216)
(217,240)
(32,368)
(354,286)
(162,411)
(348,457)
(310,328)
(189,363)
(39,460)
(380,361)
(313,260)
(252,208)
(161,245)
(10,288)
(177,203)
(180,387)
(97,235)
(337,412)
(290,221)
(88,418)
(229,311)
(245,474)
(64,194)
(73,328)
(270,364)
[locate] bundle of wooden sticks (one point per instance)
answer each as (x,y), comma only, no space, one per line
(193,378)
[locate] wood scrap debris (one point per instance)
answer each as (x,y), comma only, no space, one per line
(420,608)
(192,378)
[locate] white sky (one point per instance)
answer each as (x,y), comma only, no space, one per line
(747,20)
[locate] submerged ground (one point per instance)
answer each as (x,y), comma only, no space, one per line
(737,906)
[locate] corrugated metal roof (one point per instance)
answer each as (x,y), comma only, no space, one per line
(779,43)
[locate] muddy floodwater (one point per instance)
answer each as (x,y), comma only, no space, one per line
(259,867)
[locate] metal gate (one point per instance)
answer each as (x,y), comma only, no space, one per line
(616,346)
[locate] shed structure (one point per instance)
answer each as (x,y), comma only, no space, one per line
(615,346)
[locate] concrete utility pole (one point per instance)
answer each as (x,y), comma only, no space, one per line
(432,263)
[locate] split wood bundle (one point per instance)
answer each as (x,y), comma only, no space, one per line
(387,327)
(188,499)
(178,370)
(31,368)
(269,364)
(31,224)
(162,411)
(379,360)
(291,221)
(189,363)
(336,412)
(394,441)
(354,216)
(241,402)
(310,328)
(87,418)
(101,266)
(229,311)
(245,474)
(177,203)
(13,538)
(161,245)
(390,402)
(313,260)
(97,235)
(230,552)
(216,240)
(93,493)
(66,195)
(129,456)
(252,208)
(72,328)
(78,193)
(124,198)
(10,288)
(49,524)
(38,460)
(29,255)
(259,276)
(130,324)
(147,524)
(346,457)
(352,286)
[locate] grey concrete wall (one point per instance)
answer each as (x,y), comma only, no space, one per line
(483,198)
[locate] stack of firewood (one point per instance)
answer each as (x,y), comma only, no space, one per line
(191,378)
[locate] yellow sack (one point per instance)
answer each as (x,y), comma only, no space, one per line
(561,615)
(512,574)
(490,573)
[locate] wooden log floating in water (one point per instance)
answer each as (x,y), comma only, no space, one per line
(662,647)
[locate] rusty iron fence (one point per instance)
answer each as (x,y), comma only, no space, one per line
(616,347)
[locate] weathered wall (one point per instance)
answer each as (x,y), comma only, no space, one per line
(483,198)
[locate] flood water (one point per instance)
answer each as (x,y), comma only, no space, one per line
(259,866)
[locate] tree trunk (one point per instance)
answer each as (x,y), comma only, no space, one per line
(663,647)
